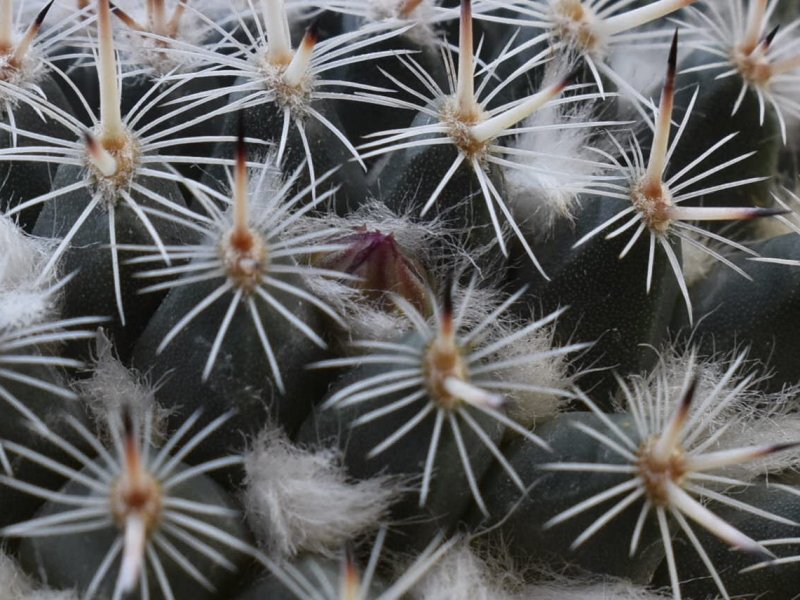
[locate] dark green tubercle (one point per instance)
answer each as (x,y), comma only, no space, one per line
(519,519)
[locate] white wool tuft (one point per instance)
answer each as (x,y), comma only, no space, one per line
(299,500)
(24,299)
(21,308)
(16,585)
(547,189)
(529,407)
(696,264)
(777,423)
(424,16)
(602,590)
(113,386)
(21,255)
(642,66)
(462,574)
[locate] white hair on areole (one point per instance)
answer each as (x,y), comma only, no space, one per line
(610,589)
(20,255)
(113,388)
(16,585)
(549,379)
(301,500)
(462,574)
(559,165)
(25,299)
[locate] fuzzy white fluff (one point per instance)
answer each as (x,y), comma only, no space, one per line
(24,300)
(21,255)
(602,590)
(547,188)
(462,574)
(696,264)
(299,500)
(642,66)
(529,407)
(113,386)
(23,308)
(16,585)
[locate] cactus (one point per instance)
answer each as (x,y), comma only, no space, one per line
(399,299)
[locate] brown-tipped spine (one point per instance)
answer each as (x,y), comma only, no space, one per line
(767,42)
(660,147)
(781,447)
(30,35)
(126,18)
(241,237)
(688,399)
(300,65)
(133,459)
(448,328)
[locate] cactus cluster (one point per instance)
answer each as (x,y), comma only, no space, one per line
(381,299)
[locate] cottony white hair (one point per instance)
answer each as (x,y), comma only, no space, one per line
(29,322)
(462,574)
(16,585)
(113,388)
(555,165)
(634,64)
(299,500)
(610,589)
(21,255)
